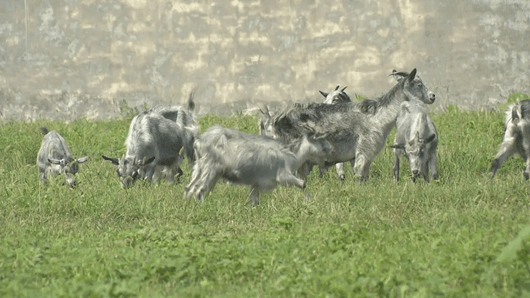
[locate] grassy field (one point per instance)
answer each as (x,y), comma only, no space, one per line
(377,239)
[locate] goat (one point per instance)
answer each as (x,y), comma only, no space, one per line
(161,132)
(356,130)
(417,139)
(54,158)
(254,160)
(334,97)
(153,141)
(186,119)
(516,136)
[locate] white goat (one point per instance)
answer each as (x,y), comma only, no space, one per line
(158,135)
(516,136)
(254,160)
(54,157)
(152,141)
(417,139)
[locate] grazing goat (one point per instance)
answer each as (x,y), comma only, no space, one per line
(54,158)
(356,130)
(417,139)
(154,140)
(516,136)
(254,160)
(186,119)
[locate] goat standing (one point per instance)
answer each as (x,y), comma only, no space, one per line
(333,97)
(417,139)
(356,130)
(516,136)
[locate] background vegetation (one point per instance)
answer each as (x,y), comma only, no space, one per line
(461,236)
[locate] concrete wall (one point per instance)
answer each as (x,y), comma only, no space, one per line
(65,59)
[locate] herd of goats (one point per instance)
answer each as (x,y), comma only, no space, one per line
(291,141)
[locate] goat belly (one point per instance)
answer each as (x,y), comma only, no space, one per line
(232,176)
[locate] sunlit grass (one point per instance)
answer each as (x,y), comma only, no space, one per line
(379,238)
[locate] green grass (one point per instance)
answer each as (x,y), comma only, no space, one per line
(375,239)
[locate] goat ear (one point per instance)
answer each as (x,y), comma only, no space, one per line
(114,161)
(342,90)
(148,161)
(82,159)
(323,93)
(430,138)
(56,161)
(412,75)
(265,111)
(337,88)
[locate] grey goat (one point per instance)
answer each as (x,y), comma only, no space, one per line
(155,139)
(186,117)
(254,160)
(516,136)
(336,96)
(333,97)
(54,158)
(356,130)
(417,139)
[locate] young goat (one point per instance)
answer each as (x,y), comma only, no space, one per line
(356,130)
(54,157)
(516,136)
(254,160)
(417,139)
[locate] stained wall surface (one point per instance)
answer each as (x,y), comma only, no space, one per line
(66,59)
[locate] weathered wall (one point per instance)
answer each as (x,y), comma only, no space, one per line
(69,58)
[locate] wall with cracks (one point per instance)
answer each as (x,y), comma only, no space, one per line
(66,59)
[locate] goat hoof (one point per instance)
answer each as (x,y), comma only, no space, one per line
(494,166)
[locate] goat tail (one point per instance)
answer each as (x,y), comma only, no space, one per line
(44,130)
(191,103)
